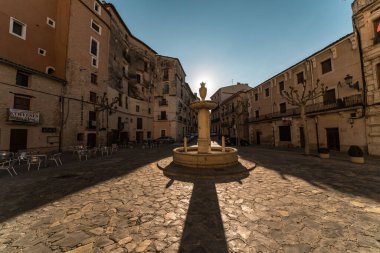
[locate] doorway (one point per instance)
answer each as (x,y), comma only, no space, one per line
(18,140)
(332,135)
(139,137)
(258,138)
(91,140)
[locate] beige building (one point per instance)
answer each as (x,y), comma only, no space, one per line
(366,22)
(32,61)
(79,58)
(219,96)
(172,96)
(334,120)
(234,115)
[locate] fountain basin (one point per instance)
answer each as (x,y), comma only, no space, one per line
(214,159)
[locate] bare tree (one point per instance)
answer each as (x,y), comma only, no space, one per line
(299,98)
(102,104)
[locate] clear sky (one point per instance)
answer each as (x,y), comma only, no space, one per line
(225,41)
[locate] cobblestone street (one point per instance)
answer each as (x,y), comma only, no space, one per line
(124,203)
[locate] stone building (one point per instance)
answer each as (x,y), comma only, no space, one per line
(132,68)
(335,120)
(79,58)
(32,72)
(234,115)
(219,96)
(172,96)
(366,23)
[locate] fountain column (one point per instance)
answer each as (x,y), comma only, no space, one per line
(203,131)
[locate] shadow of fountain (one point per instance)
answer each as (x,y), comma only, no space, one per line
(203,230)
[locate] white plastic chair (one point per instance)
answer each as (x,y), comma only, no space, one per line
(34,160)
(83,153)
(9,166)
(56,158)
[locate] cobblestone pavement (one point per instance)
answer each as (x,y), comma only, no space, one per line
(124,203)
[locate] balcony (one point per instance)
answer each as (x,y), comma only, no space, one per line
(215,120)
(163,102)
(339,104)
(162,117)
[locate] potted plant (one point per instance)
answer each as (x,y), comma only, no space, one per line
(356,154)
(324,153)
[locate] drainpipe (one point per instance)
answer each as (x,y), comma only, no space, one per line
(61,98)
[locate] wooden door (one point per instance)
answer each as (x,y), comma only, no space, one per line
(332,135)
(18,139)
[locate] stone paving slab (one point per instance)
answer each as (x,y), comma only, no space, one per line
(124,203)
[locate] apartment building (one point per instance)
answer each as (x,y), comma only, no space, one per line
(32,62)
(172,96)
(366,22)
(132,68)
(334,120)
(219,96)
(79,58)
(234,115)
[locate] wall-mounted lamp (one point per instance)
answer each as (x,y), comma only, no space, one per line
(348,81)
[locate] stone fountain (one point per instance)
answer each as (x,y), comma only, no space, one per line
(204,155)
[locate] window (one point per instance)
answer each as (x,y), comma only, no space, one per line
(166,75)
(92,97)
(163,133)
(97,28)
(257,114)
(94,78)
(50,70)
(256,97)
(326,66)
(94,47)
(120,101)
(282,107)
(281,86)
(149,111)
(377,31)
(22,79)
(267,92)
(97,8)
(163,115)
(21,103)
(137,108)
(145,66)
(50,22)
(91,120)
(139,123)
(285,134)
(17,28)
(42,52)
(329,97)
(300,78)
(138,78)
(94,61)
(80,136)
(165,89)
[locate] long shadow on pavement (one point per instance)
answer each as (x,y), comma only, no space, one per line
(37,188)
(343,176)
(204,231)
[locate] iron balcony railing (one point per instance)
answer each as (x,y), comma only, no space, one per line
(162,117)
(346,102)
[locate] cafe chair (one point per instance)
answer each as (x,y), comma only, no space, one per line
(9,166)
(56,158)
(34,160)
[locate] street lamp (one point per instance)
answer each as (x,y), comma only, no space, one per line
(348,81)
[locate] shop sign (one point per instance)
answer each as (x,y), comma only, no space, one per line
(23,116)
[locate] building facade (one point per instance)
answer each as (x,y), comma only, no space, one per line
(220,96)
(334,120)
(98,80)
(366,23)
(172,97)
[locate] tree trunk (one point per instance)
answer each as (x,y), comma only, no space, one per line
(305,131)
(97,126)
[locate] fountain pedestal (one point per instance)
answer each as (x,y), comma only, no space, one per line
(203,155)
